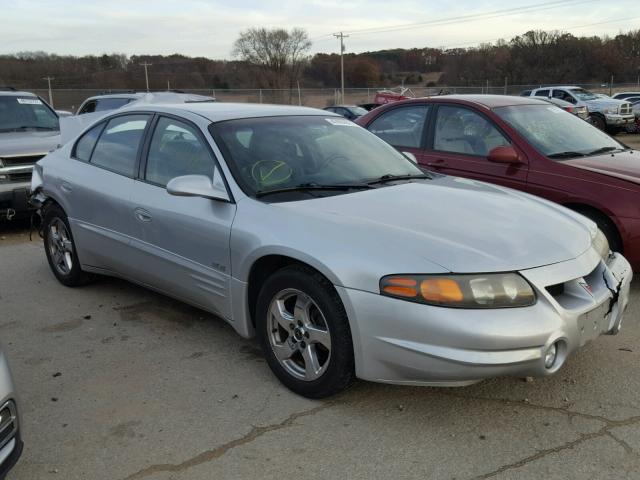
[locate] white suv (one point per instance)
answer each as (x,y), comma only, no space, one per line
(605,113)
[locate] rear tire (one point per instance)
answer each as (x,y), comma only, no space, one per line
(61,250)
(300,316)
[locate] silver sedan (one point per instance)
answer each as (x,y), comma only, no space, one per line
(337,252)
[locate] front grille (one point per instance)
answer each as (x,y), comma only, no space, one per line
(8,422)
(556,290)
(17,168)
(19,177)
(625,109)
(580,292)
(20,160)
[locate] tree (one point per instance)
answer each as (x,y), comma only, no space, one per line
(279,54)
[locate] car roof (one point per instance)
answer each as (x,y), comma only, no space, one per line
(118,95)
(487,101)
(16,93)
(217,112)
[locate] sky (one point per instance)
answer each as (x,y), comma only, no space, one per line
(209,27)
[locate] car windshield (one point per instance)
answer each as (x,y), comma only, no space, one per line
(582,94)
(26,113)
(278,153)
(555,132)
(358,111)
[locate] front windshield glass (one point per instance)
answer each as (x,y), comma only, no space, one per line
(582,94)
(555,132)
(25,113)
(284,152)
(358,111)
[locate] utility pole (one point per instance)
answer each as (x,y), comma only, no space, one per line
(341,36)
(146,74)
(48,79)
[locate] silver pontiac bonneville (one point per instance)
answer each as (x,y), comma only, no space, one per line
(342,256)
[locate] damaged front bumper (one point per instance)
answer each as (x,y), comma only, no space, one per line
(408,343)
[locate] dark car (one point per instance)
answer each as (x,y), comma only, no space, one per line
(526,144)
(351,112)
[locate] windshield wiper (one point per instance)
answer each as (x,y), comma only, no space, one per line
(566,155)
(605,150)
(303,187)
(391,178)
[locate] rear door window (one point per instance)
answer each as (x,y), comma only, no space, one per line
(117,148)
(542,93)
(401,126)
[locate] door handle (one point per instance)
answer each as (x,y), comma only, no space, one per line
(142,215)
(65,187)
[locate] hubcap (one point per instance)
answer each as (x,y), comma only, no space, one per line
(299,334)
(60,246)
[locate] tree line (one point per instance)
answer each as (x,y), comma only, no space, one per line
(280,59)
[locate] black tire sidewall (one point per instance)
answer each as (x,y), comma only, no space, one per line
(340,371)
(76,276)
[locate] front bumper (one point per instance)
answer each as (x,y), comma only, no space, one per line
(10,438)
(408,343)
(14,198)
(616,119)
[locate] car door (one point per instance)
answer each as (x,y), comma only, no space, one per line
(403,127)
(98,189)
(182,243)
(459,142)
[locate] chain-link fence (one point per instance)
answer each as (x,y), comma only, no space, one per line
(70,99)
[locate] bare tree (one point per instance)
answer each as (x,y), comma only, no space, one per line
(278,53)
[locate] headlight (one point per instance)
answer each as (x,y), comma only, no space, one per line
(601,244)
(493,290)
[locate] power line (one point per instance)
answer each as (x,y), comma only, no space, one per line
(466,18)
(477,42)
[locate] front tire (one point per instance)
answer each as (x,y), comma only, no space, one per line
(304,332)
(60,248)
(598,122)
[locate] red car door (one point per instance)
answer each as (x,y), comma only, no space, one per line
(403,127)
(459,141)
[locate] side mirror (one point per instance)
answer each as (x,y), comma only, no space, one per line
(504,154)
(411,157)
(63,113)
(199,186)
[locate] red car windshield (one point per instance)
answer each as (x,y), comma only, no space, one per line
(555,132)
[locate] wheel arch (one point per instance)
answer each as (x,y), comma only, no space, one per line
(266,265)
(590,211)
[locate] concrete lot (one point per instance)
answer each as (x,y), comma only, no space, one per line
(117,382)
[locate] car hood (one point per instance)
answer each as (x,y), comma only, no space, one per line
(624,165)
(28,143)
(459,224)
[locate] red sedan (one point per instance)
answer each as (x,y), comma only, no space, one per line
(526,144)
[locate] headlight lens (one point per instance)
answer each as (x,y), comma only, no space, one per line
(601,244)
(494,290)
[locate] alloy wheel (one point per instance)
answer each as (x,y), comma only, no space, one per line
(60,246)
(299,334)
